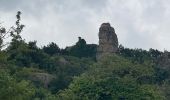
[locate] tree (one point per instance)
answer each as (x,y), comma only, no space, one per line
(14,32)
(3,33)
(81,49)
(11,89)
(113,78)
(18,29)
(51,49)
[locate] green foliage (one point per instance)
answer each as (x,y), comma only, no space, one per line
(3,58)
(161,75)
(43,94)
(81,49)
(10,89)
(51,49)
(165,87)
(139,55)
(67,68)
(17,51)
(64,68)
(28,72)
(2,36)
(15,33)
(113,78)
(26,55)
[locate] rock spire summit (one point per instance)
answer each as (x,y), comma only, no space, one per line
(108,41)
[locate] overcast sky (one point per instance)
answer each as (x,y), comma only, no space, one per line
(138,23)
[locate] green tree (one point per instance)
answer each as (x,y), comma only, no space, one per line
(17,29)
(11,89)
(81,49)
(114,78)
(3,34)
(13,31)
(51,49)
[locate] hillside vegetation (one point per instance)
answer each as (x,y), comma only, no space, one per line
(28,72)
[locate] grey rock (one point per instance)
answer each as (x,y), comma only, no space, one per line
(44,78)
(108,41)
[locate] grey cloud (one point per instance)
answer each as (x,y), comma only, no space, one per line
(8,5)
(138,23)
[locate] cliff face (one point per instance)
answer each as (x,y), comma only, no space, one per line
(108,41)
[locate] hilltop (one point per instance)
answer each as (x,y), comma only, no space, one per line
(107,71)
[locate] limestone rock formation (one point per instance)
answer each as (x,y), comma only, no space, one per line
(44,78)
(108,41)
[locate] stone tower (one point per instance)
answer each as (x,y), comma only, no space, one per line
(108,42)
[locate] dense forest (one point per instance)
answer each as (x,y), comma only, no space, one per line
(29,72)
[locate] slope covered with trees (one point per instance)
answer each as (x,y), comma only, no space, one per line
(28,72)
(114,78)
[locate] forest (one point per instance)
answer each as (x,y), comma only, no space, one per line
(29,72)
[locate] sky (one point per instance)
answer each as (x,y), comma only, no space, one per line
(138,23)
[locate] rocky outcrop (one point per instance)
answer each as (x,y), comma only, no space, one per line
(43,78)
(108,41)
